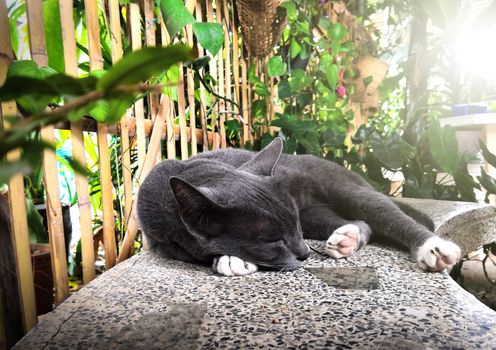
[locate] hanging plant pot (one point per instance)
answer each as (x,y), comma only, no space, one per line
(262,22)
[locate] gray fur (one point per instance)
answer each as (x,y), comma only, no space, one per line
(259,206)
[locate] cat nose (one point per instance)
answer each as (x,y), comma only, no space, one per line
(304,253)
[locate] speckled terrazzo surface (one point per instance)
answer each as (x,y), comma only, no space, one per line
(377,299)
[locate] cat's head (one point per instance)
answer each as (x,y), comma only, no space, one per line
(247,218)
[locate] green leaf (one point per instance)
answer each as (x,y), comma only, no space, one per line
(276,67)
(53,35)
(486,154)
(299,80)
(142,64)
(294,49)
(209,35)
(283,89)
(27,83)
(261,89)
(259,109)
(337,32)
(487,182)
(444,147)
(175,15)
(291,11)
(332,73)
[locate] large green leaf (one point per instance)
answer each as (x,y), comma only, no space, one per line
(276,67)
(283,89)
(209,35)
(332,72)
(291,10)
(259,108)
(487,182)
(337,32)
(53,35)
(18,87)
(488,156)
(444,147)
(27,72)
(175,15)
(142,64)
(299,80)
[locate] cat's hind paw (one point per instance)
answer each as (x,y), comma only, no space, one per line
(227,265)
(437,254)
(343,241)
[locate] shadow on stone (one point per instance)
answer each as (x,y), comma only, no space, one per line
(347,277)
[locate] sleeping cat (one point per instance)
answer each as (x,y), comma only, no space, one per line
(243,211)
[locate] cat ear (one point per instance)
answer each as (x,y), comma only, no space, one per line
(266,160)
(195,208)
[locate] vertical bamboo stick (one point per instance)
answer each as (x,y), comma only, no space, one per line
(203,97)
(116,47)
(78,152)
(96,62)
(139,110)
(245,102)
(250,100)
(169,117)
(235,53)
(181,106)
(20,236)
(221,78)
(213,72)
(228,67)
(151,40)
(190,83)
(34,10)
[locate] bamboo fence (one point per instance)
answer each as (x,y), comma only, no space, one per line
(151,125)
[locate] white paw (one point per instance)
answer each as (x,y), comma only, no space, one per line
(436,254)
(227,265)
(343,241)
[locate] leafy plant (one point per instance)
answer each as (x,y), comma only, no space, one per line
(37,88)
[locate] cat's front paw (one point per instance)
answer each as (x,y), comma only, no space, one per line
(437,254)
(228,265)
(343,241)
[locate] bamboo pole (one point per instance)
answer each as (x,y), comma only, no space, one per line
(78,152)
(235,65)
(213,71)
(158,125)
(203,97)
(245,102)
(96,62)
(116,47)
(169,117)
(34,10)
(151,40)
(227,64)
(221,78)
(17,205)
(139,109)
(190,83)
(181,106)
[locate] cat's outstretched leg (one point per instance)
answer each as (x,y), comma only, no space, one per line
(228,265)
(436,254)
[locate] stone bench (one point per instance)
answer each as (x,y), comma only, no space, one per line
(377,299)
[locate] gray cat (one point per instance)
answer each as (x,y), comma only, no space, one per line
(243,210)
